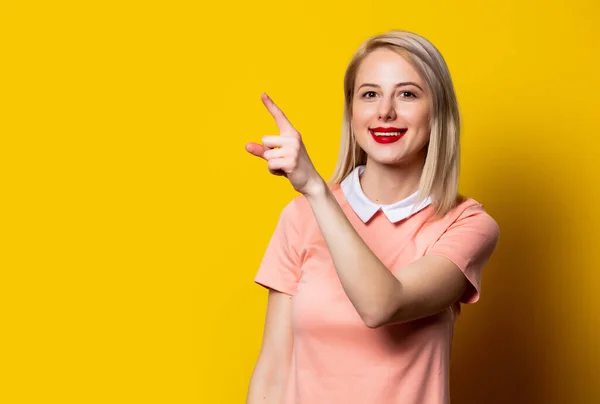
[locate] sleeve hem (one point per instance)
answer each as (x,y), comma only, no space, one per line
(288,290)
(472,295)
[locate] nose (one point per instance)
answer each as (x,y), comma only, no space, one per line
(386,110)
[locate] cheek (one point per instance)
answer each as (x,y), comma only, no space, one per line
(361,117)
(417,118)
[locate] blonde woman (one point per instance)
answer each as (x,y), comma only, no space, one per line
(366,275)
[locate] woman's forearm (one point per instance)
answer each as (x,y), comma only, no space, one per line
(370,286)
(268,383)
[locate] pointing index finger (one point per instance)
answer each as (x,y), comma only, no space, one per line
(281,120)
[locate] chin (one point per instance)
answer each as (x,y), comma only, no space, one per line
(386,158)
(397,161)
(391,156)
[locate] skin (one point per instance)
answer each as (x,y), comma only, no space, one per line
(383,97)
(424,287)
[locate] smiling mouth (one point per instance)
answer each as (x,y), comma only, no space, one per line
(387,135)
(394,133)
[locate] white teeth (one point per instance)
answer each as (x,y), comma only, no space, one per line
(387,133)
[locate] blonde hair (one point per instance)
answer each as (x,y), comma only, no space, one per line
(439,178)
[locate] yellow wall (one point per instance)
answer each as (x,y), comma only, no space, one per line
(133,221)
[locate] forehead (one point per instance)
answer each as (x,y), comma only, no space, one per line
(385,66)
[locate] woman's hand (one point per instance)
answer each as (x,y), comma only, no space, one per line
(286,155)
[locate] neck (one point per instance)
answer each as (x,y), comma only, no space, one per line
(387,184)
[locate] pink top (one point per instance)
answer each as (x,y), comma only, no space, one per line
(336,357)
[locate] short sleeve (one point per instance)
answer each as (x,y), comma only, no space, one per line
(280,267)
(469,242)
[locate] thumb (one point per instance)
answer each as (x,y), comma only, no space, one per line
(255,149)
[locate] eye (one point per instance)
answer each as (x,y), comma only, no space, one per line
(407,94)
(369,94)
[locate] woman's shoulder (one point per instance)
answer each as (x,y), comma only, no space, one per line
(470,210)
(466,213)
(298,209)
(469,205)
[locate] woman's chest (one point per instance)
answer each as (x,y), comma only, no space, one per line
(395,250)
(320,293)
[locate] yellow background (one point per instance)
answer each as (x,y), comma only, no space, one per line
(133,220)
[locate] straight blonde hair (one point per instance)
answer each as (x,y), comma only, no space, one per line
(439,178)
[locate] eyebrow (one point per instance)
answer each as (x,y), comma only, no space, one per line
(402,84)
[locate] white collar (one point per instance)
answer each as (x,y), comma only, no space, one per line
(366,209)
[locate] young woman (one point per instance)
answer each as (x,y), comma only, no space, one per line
(366,275)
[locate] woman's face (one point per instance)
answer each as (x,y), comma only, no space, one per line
(390,109)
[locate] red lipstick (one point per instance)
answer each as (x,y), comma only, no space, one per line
(387,135)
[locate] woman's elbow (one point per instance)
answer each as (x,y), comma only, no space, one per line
(378,317)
